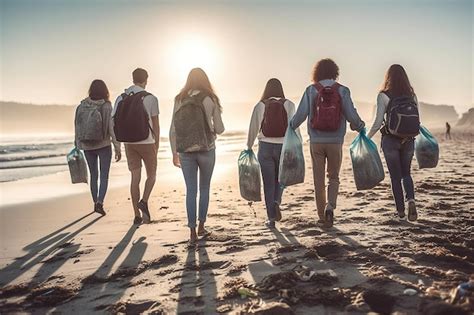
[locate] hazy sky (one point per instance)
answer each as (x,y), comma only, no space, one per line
(51,49)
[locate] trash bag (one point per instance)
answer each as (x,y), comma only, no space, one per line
(77,166)
(249,176)
(426,149)
(292,168)
(366,162)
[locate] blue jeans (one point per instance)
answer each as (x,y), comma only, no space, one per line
(269,159)
(190,164)
(398,155)
(99,158)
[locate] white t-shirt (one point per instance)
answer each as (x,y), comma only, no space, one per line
(151,106)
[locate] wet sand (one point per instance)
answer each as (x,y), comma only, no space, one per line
(57,256)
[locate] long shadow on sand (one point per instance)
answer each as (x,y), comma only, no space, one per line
(197,275)
(364,255)
(106,288)
(261,267)
(41,248)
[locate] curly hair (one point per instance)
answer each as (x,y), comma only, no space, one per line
(325,69)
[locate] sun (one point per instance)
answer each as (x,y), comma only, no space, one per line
(191,52)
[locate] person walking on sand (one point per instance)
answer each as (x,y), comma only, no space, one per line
(195,123)
(136,124)
(327,105)
(448,131)
(94,134)
(269,122)
(398,120)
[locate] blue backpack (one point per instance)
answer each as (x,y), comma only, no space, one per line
(402,117)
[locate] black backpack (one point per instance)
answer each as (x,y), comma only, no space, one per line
(131,122)
(193,133)
(402,117)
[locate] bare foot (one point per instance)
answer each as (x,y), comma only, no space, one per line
(193,236)
(202,230)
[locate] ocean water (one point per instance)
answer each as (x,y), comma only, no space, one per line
(29,156)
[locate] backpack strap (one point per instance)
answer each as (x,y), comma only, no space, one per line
(318,86)
(142,95)
(335,86)
(123,96)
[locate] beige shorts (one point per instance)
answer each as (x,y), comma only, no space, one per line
(136,153)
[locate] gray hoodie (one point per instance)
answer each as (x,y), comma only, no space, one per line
(106,111)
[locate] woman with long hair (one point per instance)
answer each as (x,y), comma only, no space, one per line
(196,122)
(398,151)
(269,122)
(94,134)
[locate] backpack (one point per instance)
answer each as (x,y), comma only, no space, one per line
(327,108)
(275,118)
(89,123)
(193,133)
(131,122)
(402,117)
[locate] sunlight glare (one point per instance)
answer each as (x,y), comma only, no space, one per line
(191,52)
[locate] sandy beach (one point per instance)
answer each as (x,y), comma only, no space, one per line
(57,256)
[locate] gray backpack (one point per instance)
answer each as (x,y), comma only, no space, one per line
(193,133)
(89,122)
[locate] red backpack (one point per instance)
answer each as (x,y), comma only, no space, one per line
(327,108)
(275,118)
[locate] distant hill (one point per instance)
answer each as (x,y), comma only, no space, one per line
(467,120)
(29,118)
(20,118)
(437,115)
(431,115)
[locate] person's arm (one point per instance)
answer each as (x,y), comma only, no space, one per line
(350,111)
(217,119)
(290,109)
(172,139)
(156,131)
(154,112)
(75,133)
(254,126)
(303,110)
(291,113)
(378,120)
(109,130)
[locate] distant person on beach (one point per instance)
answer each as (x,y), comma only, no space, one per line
(397,99)
(94,134)
(327,105)
(269,122)
(448,131)
(136,124)
(195,123)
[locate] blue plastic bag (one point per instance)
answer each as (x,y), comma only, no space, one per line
(366,162)
(77,166)
(426,149)
(292,167)
(249,176)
